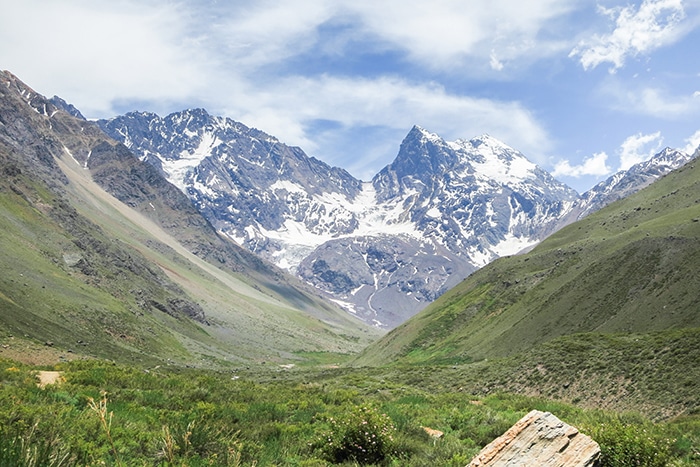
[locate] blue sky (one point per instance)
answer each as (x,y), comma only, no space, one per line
(582,88)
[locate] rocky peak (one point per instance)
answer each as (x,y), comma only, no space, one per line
(66,107)
(35,100)
(422,156)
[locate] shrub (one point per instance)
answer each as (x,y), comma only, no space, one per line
(623,444)
(364,435)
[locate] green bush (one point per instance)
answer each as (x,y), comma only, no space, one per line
(364,435)
(623,444)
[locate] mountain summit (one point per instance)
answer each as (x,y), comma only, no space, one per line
(383,249)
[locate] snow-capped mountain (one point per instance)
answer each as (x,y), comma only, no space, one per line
(383,249)
(269,197)
(447,209)
(626,182)
(481,196)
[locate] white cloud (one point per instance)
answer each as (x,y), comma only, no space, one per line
(658,103)
(442,33)
(96,52)
(654,25)
(386,102)
(439,35)
(692,143)
(495,63)
(652,101)
(101,53)
(638,148)
(593,165)
(266,32)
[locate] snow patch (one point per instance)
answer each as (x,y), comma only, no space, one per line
(288,186)
(433,212)
(178,169)
(512,245)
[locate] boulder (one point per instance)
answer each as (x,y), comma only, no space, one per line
(539,438)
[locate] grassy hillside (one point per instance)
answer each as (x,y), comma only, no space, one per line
(653,373)
(142,278)
(631,267)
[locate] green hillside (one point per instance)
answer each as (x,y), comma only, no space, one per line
(101,257)
(629,268)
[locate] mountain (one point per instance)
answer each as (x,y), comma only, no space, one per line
(626,182)
(97,247)
(630,267)
(383,249)
(247,183)
(443,210)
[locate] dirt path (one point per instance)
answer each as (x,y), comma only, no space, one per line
(48,377)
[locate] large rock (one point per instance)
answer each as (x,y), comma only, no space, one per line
(539,438)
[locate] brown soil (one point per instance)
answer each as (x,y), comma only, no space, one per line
(49,377)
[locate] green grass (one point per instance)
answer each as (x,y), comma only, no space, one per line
(652,373)
(45,301)
(123,415)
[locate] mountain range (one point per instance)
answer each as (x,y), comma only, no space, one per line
(382,249)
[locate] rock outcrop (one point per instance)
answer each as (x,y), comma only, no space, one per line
(539,438)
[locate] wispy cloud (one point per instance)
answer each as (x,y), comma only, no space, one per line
(652,101)
(637,31)
(100,52)
(638,148)
(594,165)
(387,102)
(658,102)
(441,34)
(692,143)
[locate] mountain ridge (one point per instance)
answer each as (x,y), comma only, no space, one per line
(238,179)
(382,249)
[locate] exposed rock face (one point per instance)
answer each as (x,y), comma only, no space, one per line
(541,439)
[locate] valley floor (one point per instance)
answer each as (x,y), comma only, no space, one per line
(311,415)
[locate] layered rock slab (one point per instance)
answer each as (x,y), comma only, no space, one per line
(539,438)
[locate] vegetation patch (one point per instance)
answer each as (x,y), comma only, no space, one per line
(106,413)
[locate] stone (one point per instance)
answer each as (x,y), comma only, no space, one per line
(539,438)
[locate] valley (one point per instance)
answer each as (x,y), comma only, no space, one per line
(458,289)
